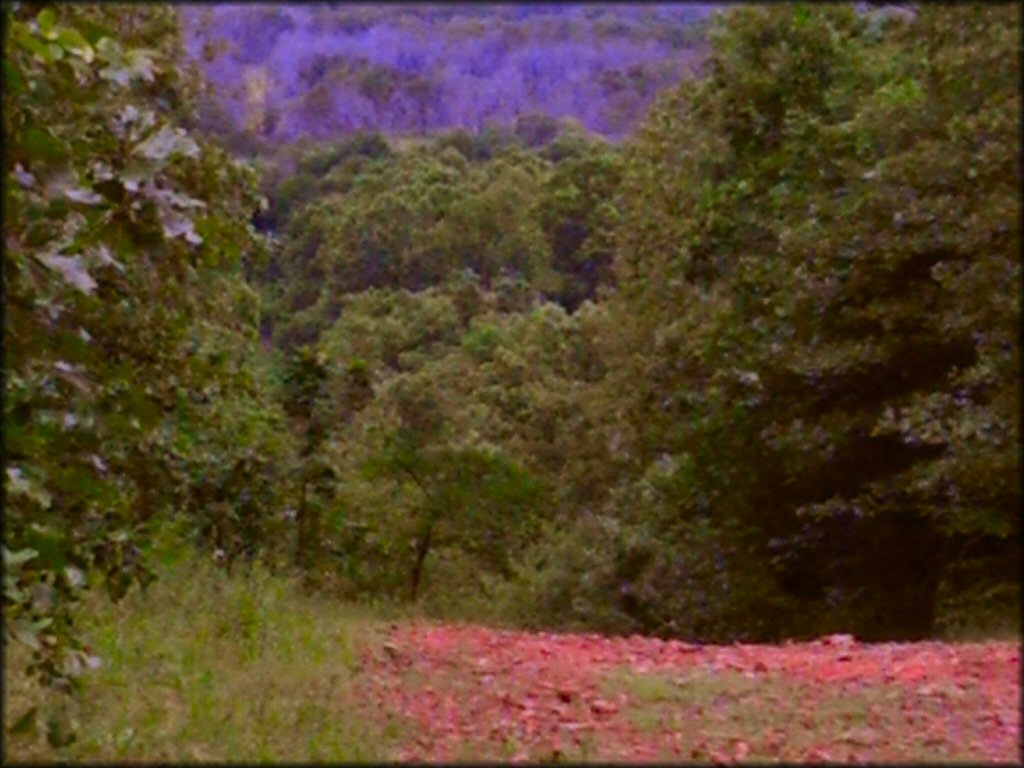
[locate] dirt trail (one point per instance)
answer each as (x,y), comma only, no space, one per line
(473,693)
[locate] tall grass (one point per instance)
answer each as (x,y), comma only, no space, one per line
(207,666)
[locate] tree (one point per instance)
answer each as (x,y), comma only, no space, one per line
(123,235)
(469,497)
(803,228)
(305,402)
(578,216)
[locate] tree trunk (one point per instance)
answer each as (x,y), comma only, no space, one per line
(901,565)
(300,520)
(422,550)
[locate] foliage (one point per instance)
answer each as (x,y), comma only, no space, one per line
(713,383)
(416,220)
(578,215)
(183,672)
(846,351)
(124,239)
(717,407)
(305,402)
(695,583)
(282,73)
(425,443)
(236,453)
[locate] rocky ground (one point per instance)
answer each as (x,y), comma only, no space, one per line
(461,692)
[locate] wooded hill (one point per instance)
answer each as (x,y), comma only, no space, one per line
(279,72)
(751,374)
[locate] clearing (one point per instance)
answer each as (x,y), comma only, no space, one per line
(247,667)
(475,693)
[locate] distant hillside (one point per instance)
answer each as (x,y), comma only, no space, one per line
(283,71)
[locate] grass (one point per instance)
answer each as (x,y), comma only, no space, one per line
(248,667)
(996,630)
(208,666)
(783,718)
(981,615)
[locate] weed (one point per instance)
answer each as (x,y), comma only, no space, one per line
(783,717)
(206,666)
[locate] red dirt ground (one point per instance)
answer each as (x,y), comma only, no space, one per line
(473,693)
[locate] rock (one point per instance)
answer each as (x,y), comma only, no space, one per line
(602,707)
(840,641)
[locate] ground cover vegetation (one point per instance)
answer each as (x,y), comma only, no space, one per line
(750,374)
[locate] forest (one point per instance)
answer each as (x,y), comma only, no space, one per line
(698,326)
(284,71)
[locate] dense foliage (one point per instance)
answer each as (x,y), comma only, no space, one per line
(132,391)
(358,217)
(843,381)
(777,332)
(752,374)
(284,71)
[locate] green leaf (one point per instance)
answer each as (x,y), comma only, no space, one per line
(39,143)
(37,47)
(167,142)
(46,19)
(21,556)
(177,225)
(11,592)
(109,50)
(119,75)
(93,32)
(27,724)
(74,576)
(18,484)
(12,78)
(175,200)
(72,269)
(26,636)
(52,545)
(59,731)
(140,65)
(82,195)
(102,256)
(72,40)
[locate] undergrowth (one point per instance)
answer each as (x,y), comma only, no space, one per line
(206,666)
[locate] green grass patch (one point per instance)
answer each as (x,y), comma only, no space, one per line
(771,717)
(207,666)
(993,614)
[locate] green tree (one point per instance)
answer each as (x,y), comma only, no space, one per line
(417,220)
(809,271)
(577,213)
(469,497)
(123,235)
(305,402)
